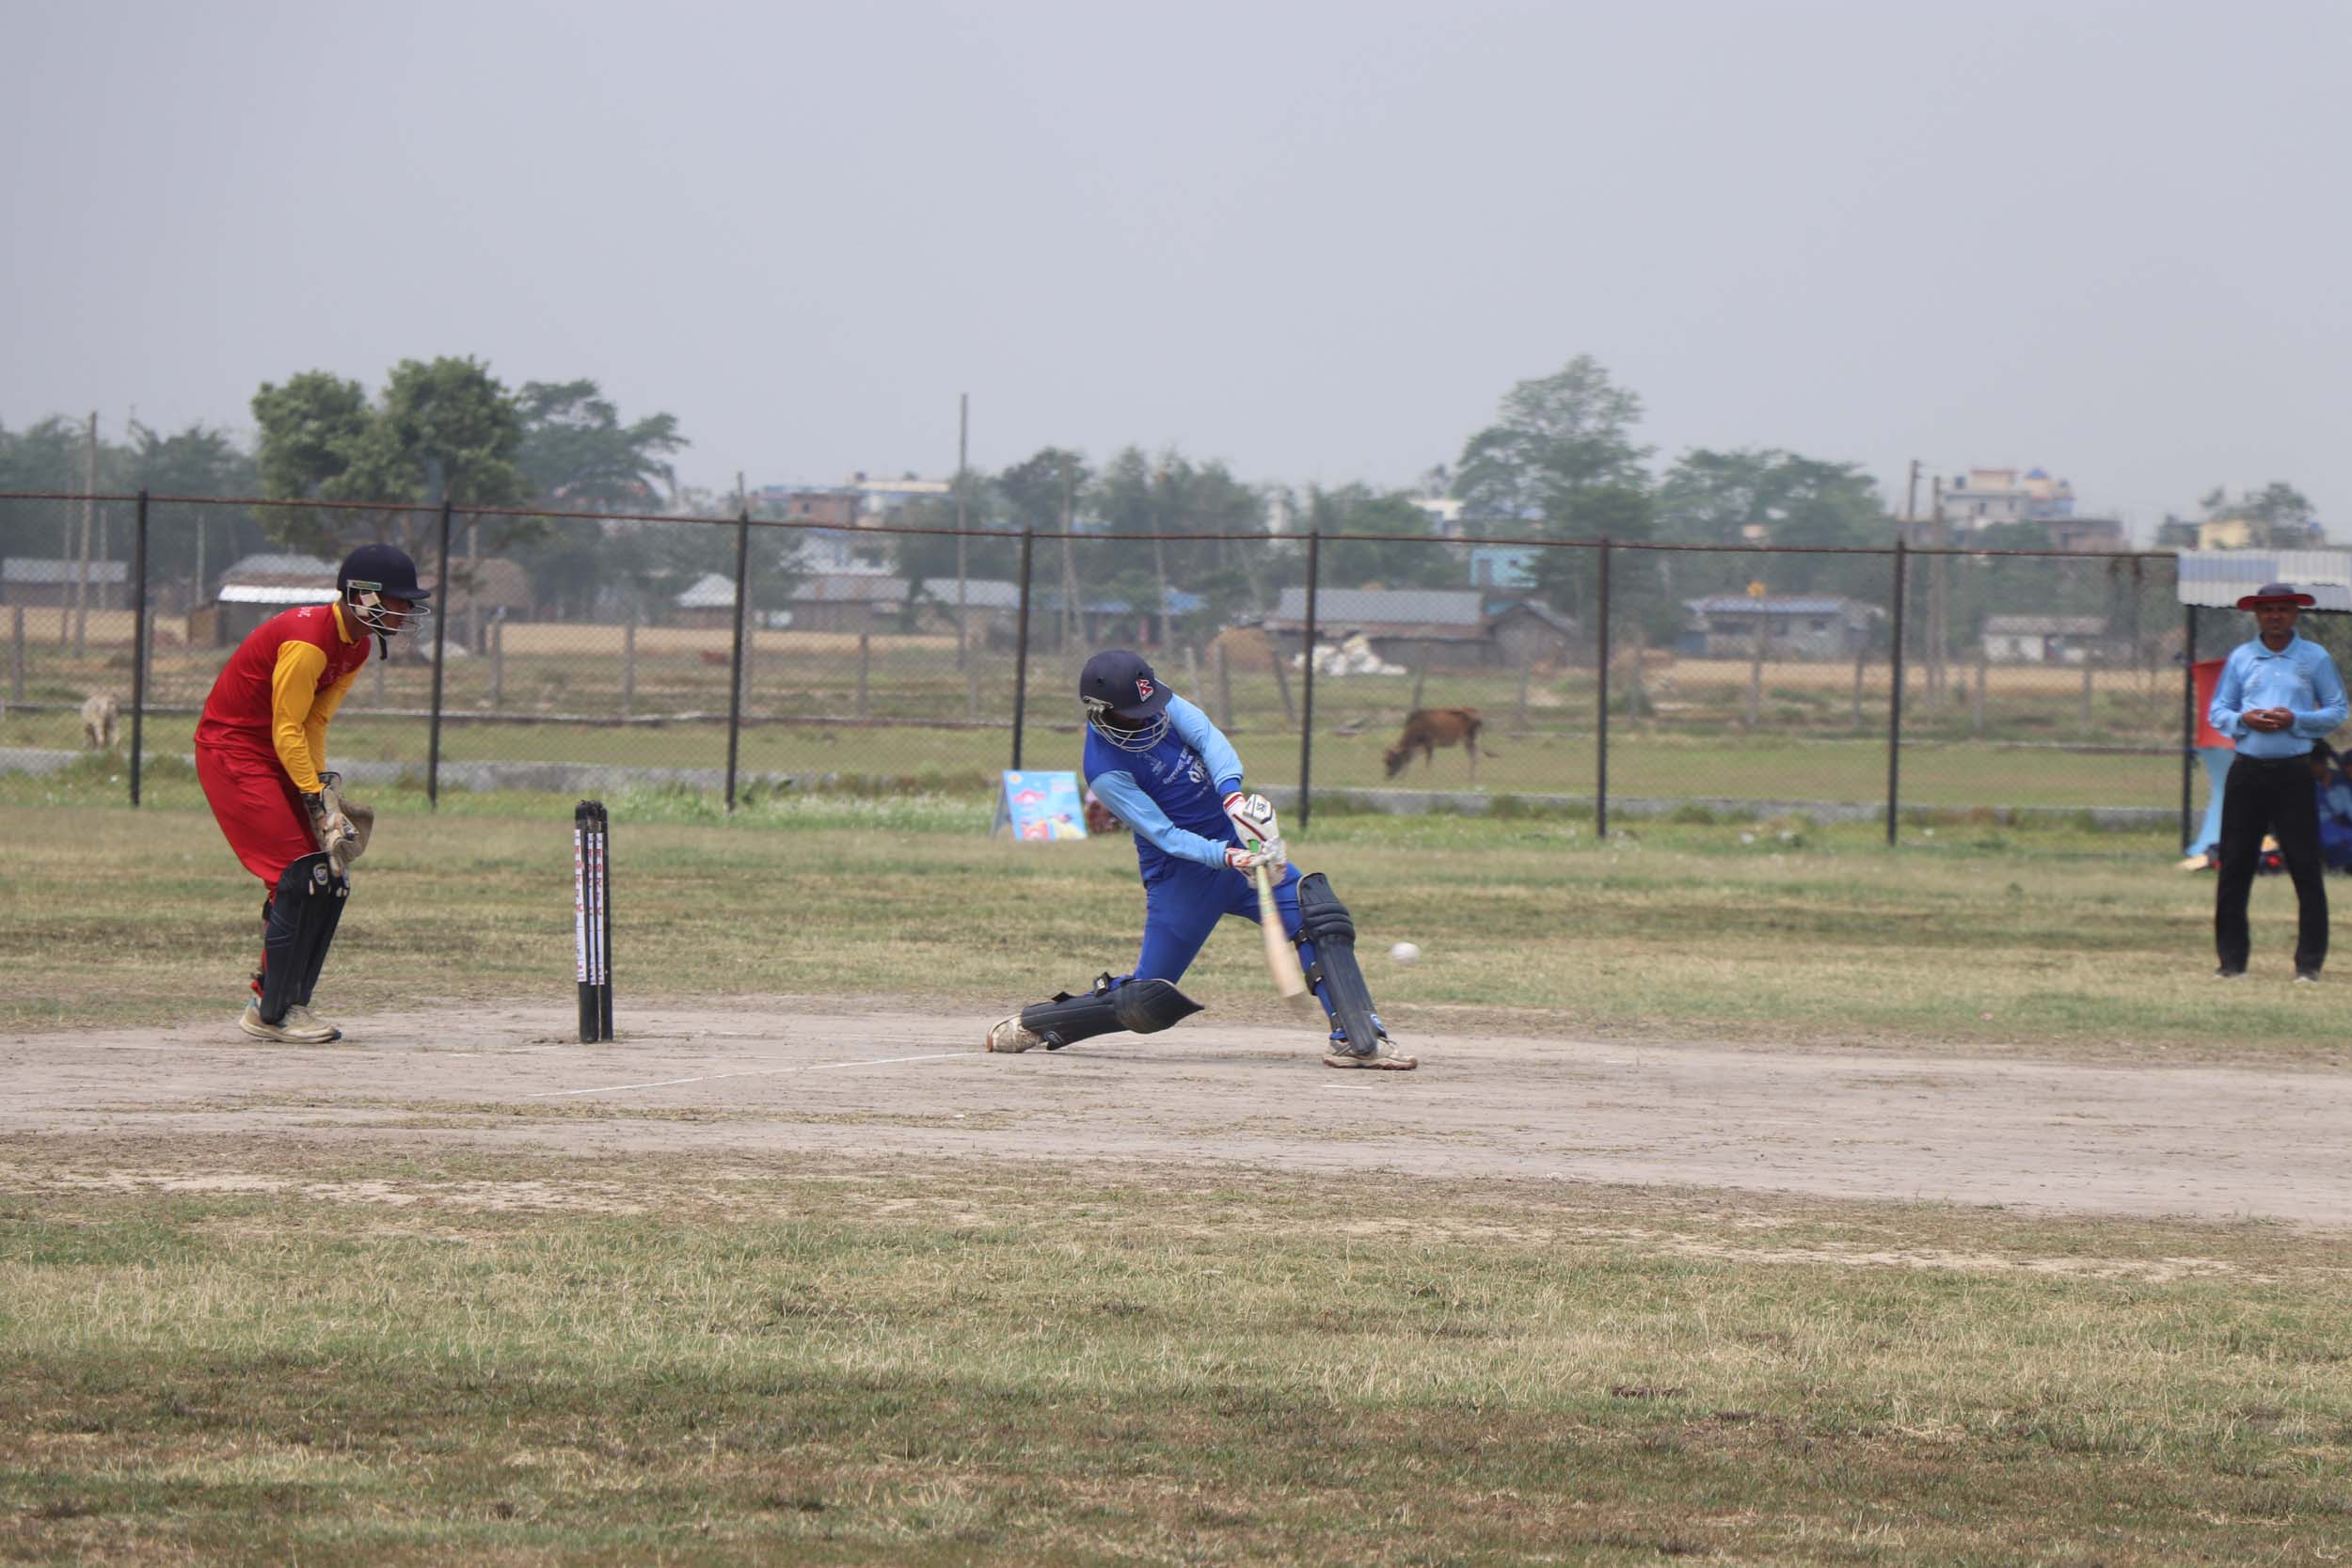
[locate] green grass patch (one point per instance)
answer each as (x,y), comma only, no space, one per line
(2042,939)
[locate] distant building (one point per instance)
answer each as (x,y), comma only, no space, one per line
(2237,532)
(1989,496)
(709,601)
(846,553)
(831,505)
(1444,513)
(38,580)
(257,586)
(2087,533)
(881,498)
(2043,639)
(1792,627)
(1502,567)
(1523,634)
(990,607)
(1443,627)
(847,602)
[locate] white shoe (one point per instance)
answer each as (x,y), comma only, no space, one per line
(286,1031)
(299,1016)
(1383,1057)
(1009,1035)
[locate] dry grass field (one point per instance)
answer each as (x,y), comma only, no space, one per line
(1763,1200)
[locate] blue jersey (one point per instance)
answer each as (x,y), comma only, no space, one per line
(1171,794)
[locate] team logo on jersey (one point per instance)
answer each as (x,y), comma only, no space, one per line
(1143,690)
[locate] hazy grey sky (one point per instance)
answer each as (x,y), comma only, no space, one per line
(1316,241)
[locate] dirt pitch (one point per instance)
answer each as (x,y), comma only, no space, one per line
(801,1075)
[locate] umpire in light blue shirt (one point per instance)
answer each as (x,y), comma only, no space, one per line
(2278,695)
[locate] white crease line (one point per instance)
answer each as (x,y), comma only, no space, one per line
(751,1072)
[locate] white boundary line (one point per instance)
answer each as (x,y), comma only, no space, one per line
(751,1072)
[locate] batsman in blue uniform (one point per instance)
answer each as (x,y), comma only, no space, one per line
(1164,770)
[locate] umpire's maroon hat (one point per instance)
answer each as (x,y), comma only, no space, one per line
(2276,593)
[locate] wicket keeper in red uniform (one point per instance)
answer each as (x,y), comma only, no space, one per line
(261,754)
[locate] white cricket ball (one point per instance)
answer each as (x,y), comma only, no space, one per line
(1405,952)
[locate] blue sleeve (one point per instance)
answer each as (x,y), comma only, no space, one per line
(1131,805)
(1216,753)
(2329,686)
(2228,700)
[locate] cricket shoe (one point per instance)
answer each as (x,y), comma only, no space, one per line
(299,1016)
(1383,1057)
(298,1027)
(1009,1035)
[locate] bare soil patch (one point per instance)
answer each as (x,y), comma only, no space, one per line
(866,1081)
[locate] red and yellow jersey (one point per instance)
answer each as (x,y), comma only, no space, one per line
(282,686)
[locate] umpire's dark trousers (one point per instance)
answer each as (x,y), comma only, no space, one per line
(2270,795)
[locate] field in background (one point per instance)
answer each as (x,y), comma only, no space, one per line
(896,712)
(2054,939)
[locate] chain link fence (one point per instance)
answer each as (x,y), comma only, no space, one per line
(578,653)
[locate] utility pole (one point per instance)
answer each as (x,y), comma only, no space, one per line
(1939,602)
(963,437)
(89,514)
(1911,495)
(1069,560)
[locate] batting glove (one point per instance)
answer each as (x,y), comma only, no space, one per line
(1252,816)
(1245,861)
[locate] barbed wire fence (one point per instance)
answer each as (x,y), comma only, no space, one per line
(581,653)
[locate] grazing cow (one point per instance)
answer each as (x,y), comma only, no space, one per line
(99,715)
(1428,728)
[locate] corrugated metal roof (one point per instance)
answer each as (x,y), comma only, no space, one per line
(1377,607)
(281,565)
(849,587)
(1740,604)
(30,568)
(2217,580)
(254,593)
(2045,625)
(979,593)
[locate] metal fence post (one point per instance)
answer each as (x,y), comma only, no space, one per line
(440,663)
(1307,684)
(1895,701)
(735,665)
(2189,718)
(1021,648)
(139,645)
(1601,750)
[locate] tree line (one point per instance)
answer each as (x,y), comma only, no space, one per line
(1561,460)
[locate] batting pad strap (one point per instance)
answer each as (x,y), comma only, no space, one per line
(1139,1007)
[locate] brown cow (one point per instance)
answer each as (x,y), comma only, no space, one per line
(1428,728)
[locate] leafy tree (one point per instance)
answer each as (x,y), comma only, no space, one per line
(310,429)
(1036,491)
(443,428)
(1638,584)
(576,453)
(1416,561)
(46,457)
(191,541)
(1771,498)
(1556,438)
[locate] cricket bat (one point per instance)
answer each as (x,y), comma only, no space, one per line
(1281,959)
